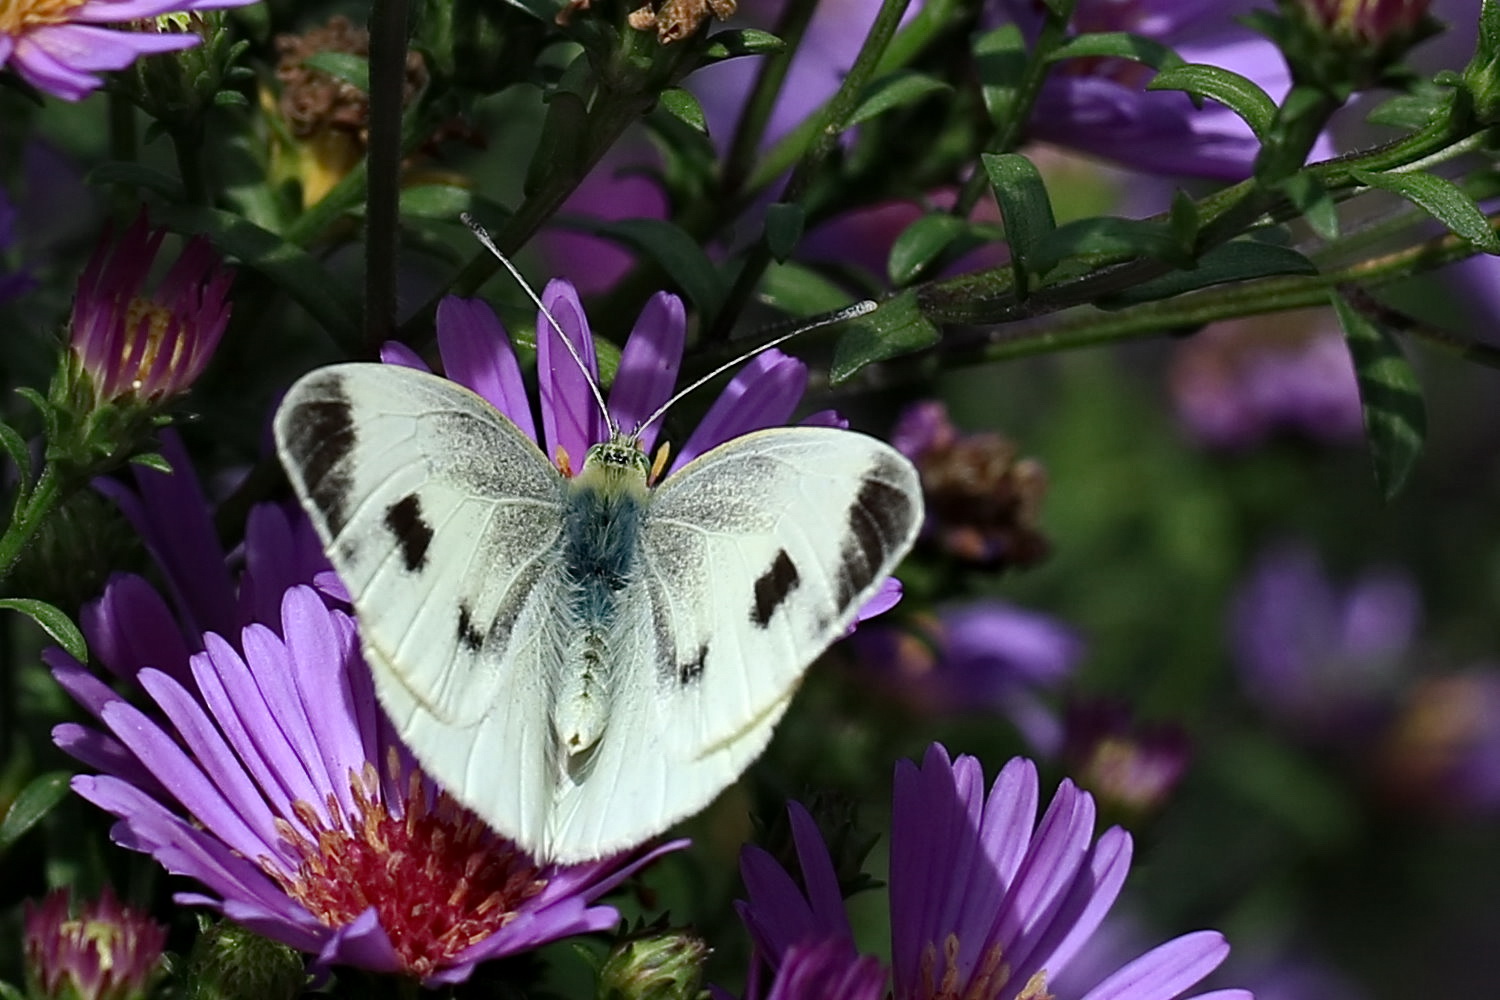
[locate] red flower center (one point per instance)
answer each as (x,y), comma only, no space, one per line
(438,878)
(18,15)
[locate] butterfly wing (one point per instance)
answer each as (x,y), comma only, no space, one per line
(754,558)
(444,522)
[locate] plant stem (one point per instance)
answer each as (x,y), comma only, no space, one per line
(30,515)
(751,127)
(388,30)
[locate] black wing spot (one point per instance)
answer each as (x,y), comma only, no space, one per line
(468,635)
(405,521)
(690,671)
(320,440)
(773,587)
(879,516)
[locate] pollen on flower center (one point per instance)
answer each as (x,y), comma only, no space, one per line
(149,323)
(985,981)
(18,15)
(439,879)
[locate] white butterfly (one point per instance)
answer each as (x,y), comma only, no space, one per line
(584,661)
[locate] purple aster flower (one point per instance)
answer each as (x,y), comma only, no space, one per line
(829,969)
(274,780)
(1101,106)
(13,283)
(982,656)
(61,46)
(1130,766)
(1322,659)
(1443,753)
(104,951)
(1236,384)
(986,902)
(148,348)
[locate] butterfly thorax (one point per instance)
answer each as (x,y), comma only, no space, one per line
(602,516)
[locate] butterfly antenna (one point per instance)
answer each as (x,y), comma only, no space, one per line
(483,237)
(848,312)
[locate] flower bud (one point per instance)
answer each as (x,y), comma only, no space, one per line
(229,962)
(176,88)
(106,951)
(1368,22)
(664,965)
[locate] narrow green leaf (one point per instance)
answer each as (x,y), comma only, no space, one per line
(230,99)
(682,105)
(1238,260)
(1489,28)
(137,176)
(52,621)
(784,222)
(34,802)
(1117,45)
(895,327)
(1440,198)
(1312,199)
(9,992)
(921,243)
(1109,238)
(352,69)
(43,408)
(1182,220)
(558,148)
(1414,110)
(1395,417)
(740,42)
(1000,62)
(1025,207)
(798,290)
(542,10)
(893,91)
(152,460)
(673,249)
(1239,94)
(15,446)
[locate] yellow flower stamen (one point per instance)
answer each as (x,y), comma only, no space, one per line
(16,16)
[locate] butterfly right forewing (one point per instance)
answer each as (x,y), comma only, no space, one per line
(443,521)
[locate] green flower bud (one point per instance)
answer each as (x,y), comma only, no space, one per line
(662,965)
(231,963)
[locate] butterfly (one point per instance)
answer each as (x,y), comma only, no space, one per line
(583,661)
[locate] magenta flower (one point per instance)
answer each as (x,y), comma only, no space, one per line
(61,46)
(986,902)
(829,969)
(1101,107)
(104,951)
(148,347)
(1129,765)
(275,781)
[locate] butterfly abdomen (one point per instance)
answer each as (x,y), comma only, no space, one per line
(601,552)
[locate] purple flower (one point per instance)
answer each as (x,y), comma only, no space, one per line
(1101,106)
(986,902)
(104,951)
(274,780)
(983,656)
(148,348)
(829,969)
(13,283)
(1443,753)
(1130,766)
(1236,384)
(1324,660)
(61,46)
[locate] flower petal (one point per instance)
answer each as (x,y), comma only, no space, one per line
(648,366)
(571,421)
(477,353)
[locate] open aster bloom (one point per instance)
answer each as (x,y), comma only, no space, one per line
(987,902)
(149,347)
(477,353)
(61,46)
(276,782)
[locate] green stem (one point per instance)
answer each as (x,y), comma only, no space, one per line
(187,145)
(30,515)
(388,30)
(123,147)
(751,127)
(831,124)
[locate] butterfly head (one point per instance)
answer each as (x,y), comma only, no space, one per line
(618,462)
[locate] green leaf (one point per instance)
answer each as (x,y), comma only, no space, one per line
(1117,45)
(921,243)
(1183,221)
(1000,61)
(152,460)
(34,802)
(1025,207)
(436,201)
(1412,111)
(1308,195)
(1442,199)
(682,105)
(671,247)
(1238,260)
(1109,239)
(56,624)
(895,327)
(559,149)
(1239,94)
(9,992)
(230,99)
(895,90)
(784,222)
(15,446)
(740,42)
(1395,417)
(297,272)
(137,176)
(346,66)
(798,290)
